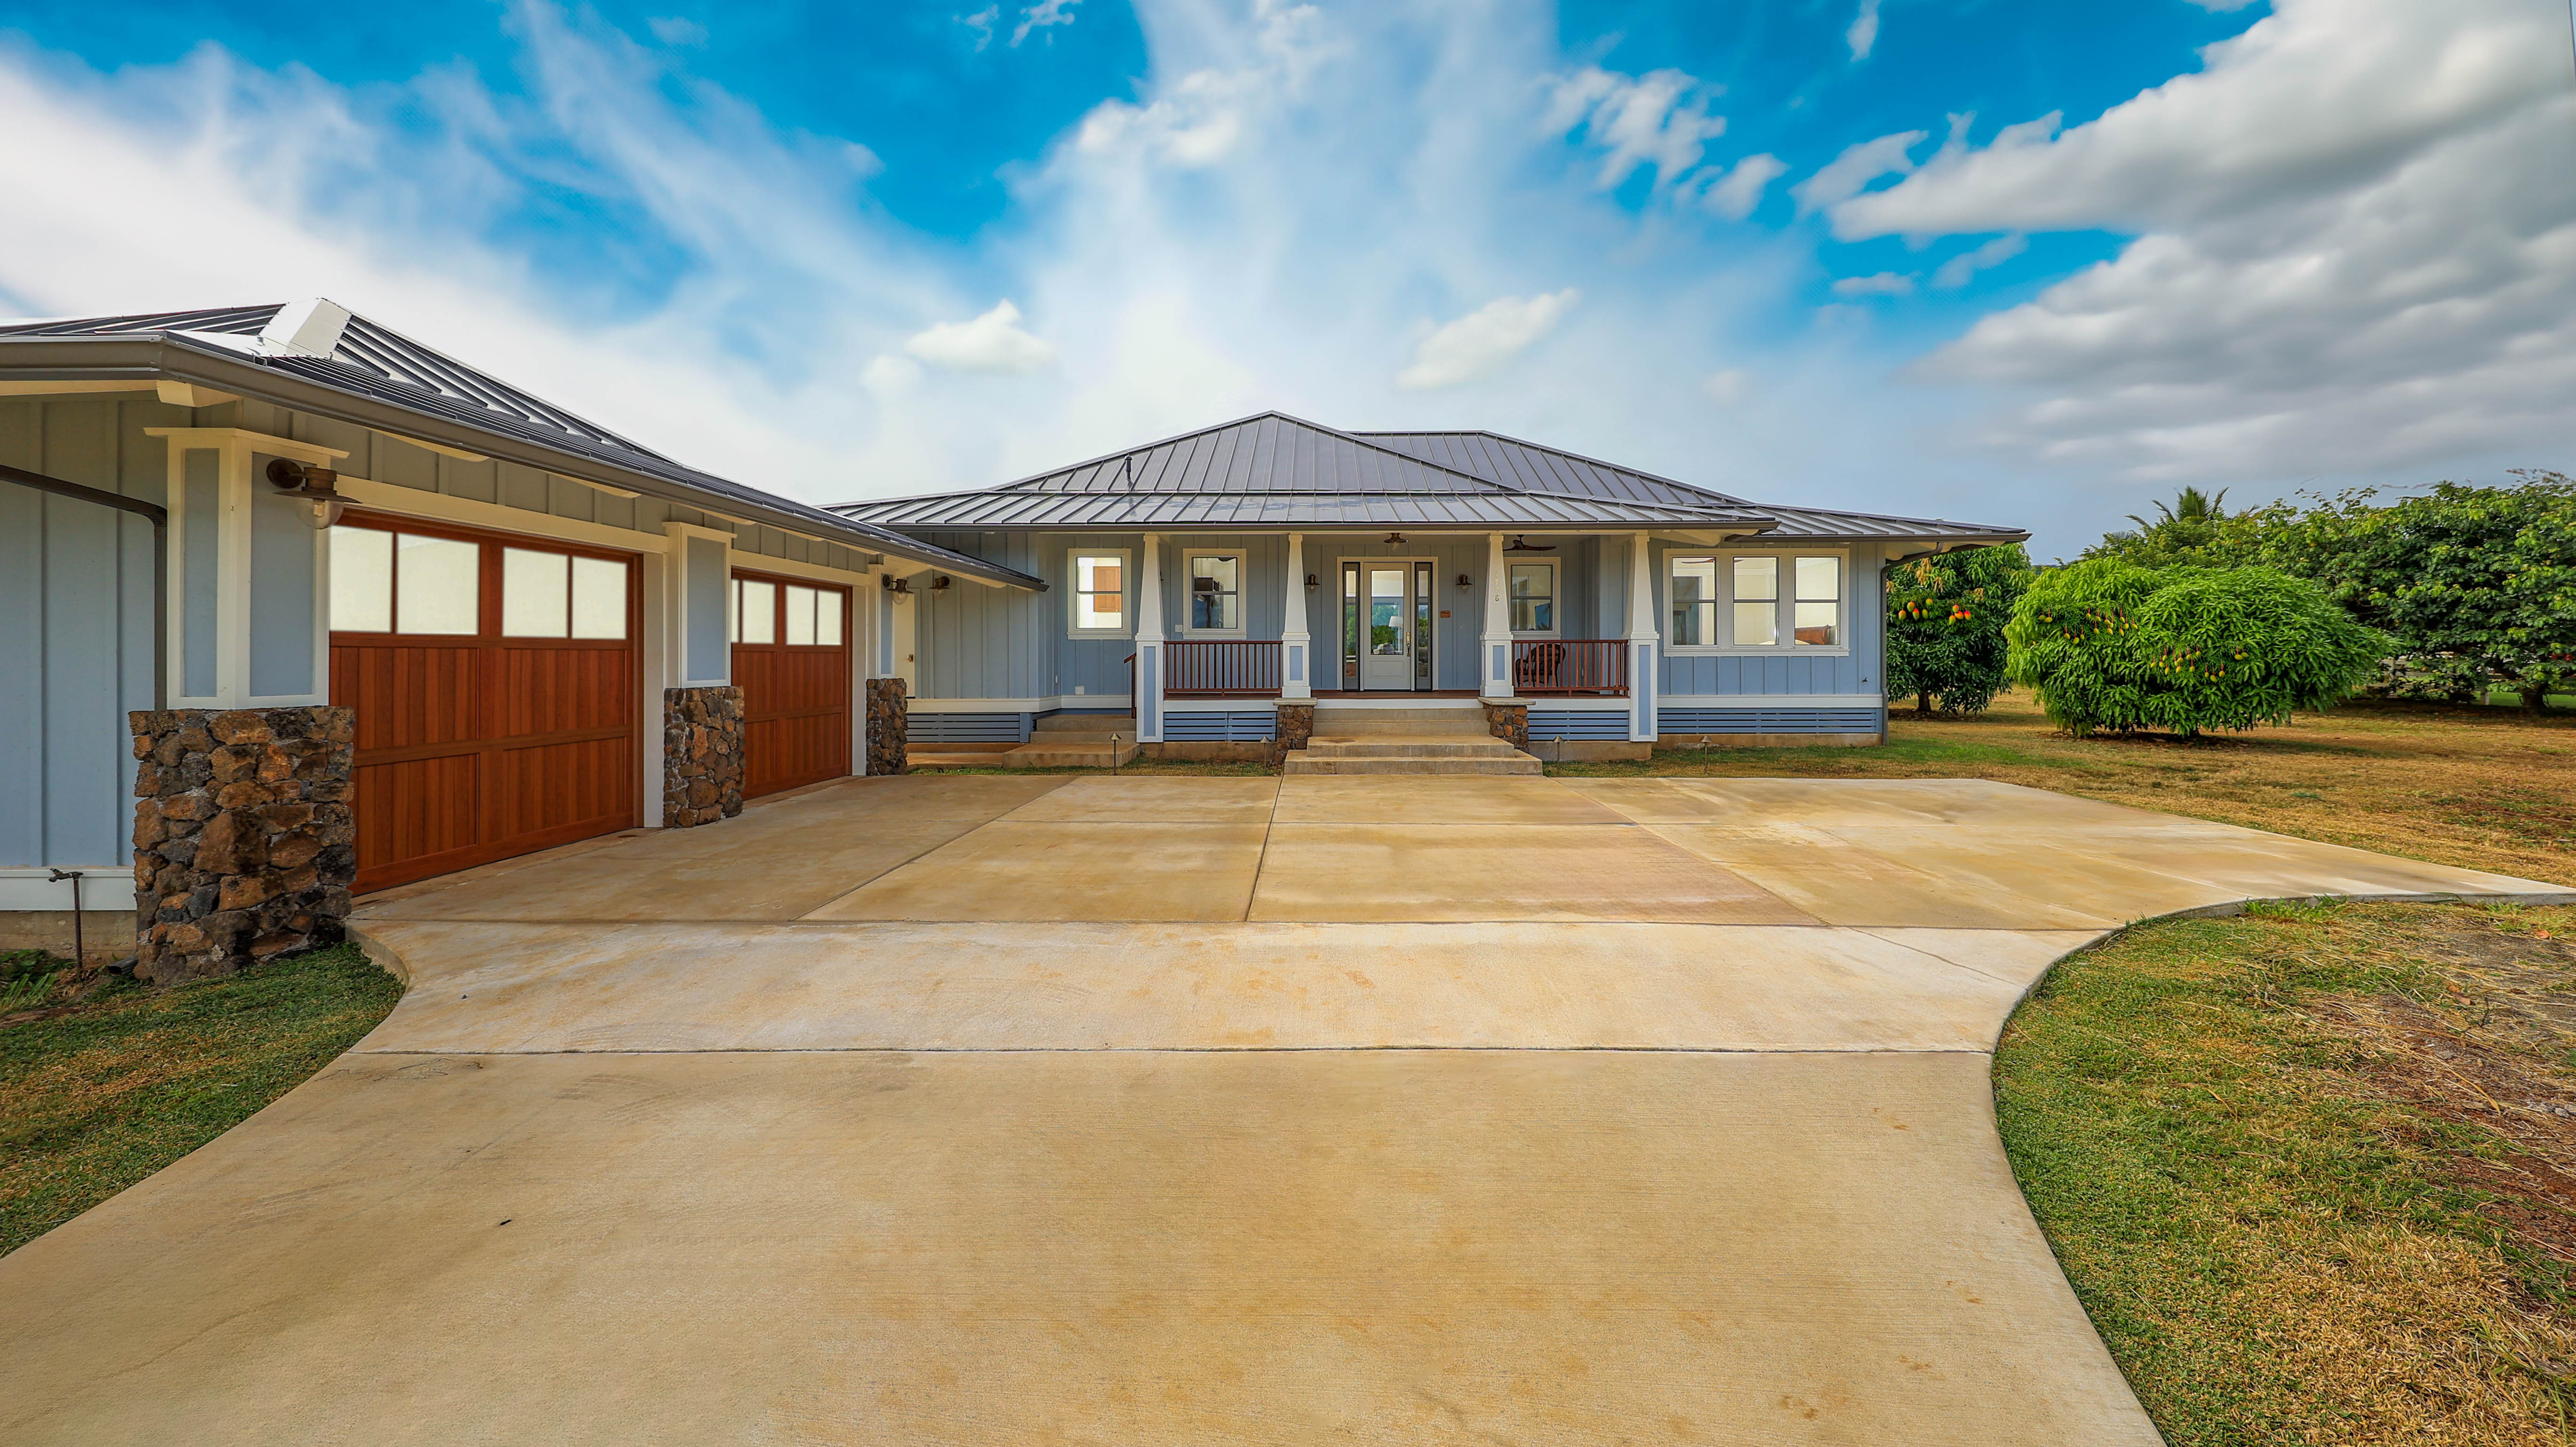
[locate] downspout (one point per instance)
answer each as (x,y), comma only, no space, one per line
(153,513)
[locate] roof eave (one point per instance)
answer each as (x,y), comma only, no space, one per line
(151,355)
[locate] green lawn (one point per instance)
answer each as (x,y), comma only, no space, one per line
(2312,1170)
(130,1079)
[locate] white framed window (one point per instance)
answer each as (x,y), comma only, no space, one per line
(1533,599)
(1758,602)
(1098,599)
(1215,583)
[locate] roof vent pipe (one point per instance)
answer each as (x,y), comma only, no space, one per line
(308,328)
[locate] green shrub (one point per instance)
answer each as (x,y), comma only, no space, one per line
(1945,626)
(2106,645)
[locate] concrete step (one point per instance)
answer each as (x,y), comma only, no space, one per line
(1103,724)
(1298,764)
(1396,746)
(1344,722)
(1054,755)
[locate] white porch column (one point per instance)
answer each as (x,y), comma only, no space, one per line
(1497,641)
(1642,638)
(1149,641)
(1296,646)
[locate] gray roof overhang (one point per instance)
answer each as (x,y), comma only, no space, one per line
(150,356)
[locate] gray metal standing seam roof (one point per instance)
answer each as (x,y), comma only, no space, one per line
(1278,471)
(380,364)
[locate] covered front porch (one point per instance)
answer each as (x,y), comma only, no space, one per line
(1382,618)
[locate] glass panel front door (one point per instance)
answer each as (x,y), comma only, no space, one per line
(1388,659)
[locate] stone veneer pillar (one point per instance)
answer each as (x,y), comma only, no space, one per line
(244,845)
(1509,722)
(1296,726)
(887,726)
(701,755)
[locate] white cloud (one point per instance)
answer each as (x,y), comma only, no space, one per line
(2358,252)
(1862,37)
(1844,175)
(993,342)
(677,30)
(1659,119)
(886,374)
(982,23)
(1041,15)
(1734,193)
(1959,270)
(1727,387)
(1885,283)
(1478,344)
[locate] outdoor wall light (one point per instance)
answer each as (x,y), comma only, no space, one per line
(897,585)
(1310,580)
(314,486)
(1395,540)
(1464,581)
(939,584)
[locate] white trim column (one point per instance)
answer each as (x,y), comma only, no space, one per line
(1496,644)
(1296,646)
(1642,639)
(1149,640)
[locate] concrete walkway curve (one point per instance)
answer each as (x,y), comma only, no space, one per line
(1167,1110)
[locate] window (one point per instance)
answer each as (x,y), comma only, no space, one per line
(1216,592)
(1100,595)
(556,595)
(1757,602)
(385,582)
(1746,596)
(787,613)
(755,611)
(1694,600)
(1820,599)
(1533,596)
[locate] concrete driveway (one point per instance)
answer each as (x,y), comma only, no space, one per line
(1166,1110)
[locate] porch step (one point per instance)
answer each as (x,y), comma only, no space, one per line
(1301,763)
(1103,724)
(1344,722)
(1404,746)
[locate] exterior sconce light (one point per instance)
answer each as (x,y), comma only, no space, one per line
(899,586)
(939,584)
(1310,580)
(315,487)
(1463,581)
(1395,540)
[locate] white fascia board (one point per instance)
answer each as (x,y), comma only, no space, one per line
(441,507)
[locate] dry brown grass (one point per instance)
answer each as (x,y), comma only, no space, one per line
(2481,788)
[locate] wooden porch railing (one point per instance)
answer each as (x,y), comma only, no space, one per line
(1227,669)
(1595,666)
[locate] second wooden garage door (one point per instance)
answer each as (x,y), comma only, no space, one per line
(791,658)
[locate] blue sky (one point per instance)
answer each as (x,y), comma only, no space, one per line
(2004,260)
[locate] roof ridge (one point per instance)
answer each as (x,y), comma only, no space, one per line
(1579,457)
(1126,452)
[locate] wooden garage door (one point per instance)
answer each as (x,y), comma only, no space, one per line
(495,682)
(791,658)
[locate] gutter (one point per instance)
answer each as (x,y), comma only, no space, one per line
(150,357)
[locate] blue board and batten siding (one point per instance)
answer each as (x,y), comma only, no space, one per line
(76,594)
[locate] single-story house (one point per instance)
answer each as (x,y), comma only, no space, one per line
(238,521)
(298,607)
(1205,582)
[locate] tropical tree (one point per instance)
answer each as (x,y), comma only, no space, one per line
(2108,645)
(2477,584)
(1945,626)
(2196,530)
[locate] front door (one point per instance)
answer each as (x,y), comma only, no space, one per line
(1390,602)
